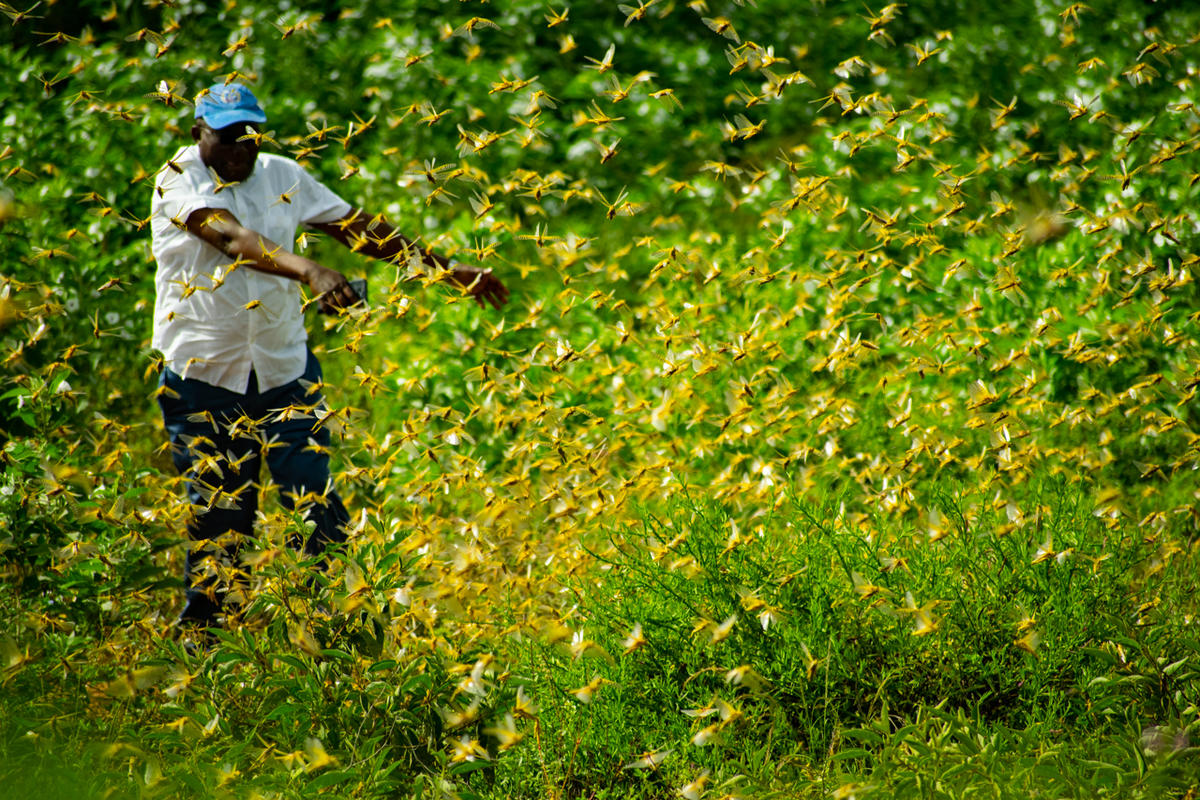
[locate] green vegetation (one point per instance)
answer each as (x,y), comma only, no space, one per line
(840,438)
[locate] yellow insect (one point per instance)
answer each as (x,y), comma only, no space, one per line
(608,151)
(924,52)
(604,64)
(469,27)
(19,17)
(635,13)
(723,26)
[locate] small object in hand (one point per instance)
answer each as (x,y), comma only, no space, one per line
(359,287)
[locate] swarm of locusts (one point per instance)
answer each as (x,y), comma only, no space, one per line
(836,311)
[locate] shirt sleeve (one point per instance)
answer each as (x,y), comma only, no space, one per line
(316,201)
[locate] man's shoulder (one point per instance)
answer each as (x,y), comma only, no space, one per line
(278,165)
(186,159)
(282,175)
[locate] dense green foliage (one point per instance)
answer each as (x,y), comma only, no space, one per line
(840,437)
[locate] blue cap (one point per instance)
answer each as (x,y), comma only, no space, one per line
(224,104)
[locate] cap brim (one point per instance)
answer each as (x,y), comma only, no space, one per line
(222,119)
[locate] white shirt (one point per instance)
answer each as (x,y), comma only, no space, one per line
(202,324)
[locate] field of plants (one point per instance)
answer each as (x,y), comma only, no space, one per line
(840,438)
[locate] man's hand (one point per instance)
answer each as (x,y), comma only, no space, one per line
(375,237)
(330,287)
(481,284)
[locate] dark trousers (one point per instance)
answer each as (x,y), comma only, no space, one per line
(218,442)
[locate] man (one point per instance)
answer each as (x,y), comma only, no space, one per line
(239,382)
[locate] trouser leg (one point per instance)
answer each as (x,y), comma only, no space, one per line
(221,468)
(298,459)
(304,483)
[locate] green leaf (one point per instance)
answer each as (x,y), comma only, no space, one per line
(853,753)
(331,778)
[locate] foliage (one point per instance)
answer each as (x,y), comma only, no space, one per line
(840,437)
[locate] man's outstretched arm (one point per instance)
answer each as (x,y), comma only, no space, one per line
(377,238)
(222,230)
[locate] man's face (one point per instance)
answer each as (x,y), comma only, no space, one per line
(227,150)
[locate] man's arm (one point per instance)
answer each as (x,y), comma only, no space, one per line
(378,239)
(222,230)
